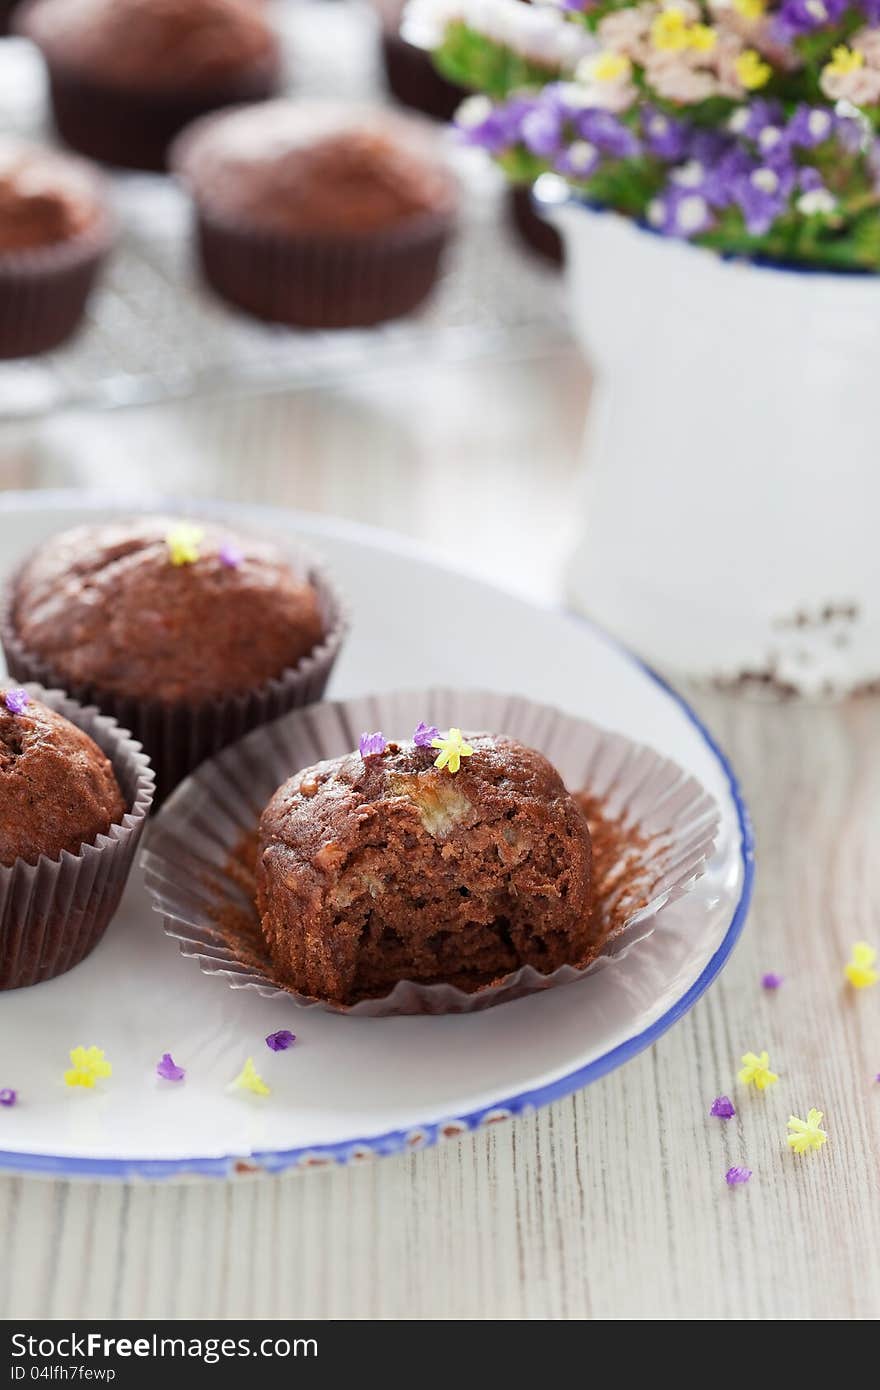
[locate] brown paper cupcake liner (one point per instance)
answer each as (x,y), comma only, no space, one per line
(44,292)
(321,282)
(415,82)
(654,829)
(54,913)
(179,737)
(133,128)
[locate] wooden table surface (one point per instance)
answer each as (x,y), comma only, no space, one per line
(611,1203)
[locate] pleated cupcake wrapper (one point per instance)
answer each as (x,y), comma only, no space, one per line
(188,874)
(179,737)
(54,913)
(414,81)
(44,292)
(322,282)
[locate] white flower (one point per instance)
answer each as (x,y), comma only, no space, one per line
(739,120)
(690,175)
(816,200)
(765,180)
(769,137)
(816,9)
(692,213)
(656,212)
(424,22)
(819,124)
(473,111)
(581,156)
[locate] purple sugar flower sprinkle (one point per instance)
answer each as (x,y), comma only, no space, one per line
(230,555)
(734,1176)
(424,733)
(17,700)
(281,1041)
(8,1097)
(722,1108)
(168,1068)
(372,744)
(771,980)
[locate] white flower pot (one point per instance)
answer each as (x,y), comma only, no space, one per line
(730,527)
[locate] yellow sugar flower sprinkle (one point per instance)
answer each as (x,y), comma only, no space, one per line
(844,60)
(89,1066)
(750,9)
(860,970)
(702,37)
(608,66)
(669,31)
(756,1071)
(806,1134)
(183,543)
(249,1079)
(752,71)
(452,749)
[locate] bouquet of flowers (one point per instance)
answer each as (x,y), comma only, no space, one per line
(748,126)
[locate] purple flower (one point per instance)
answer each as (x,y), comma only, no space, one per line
(809,179)
(797,17)
(680,212)
(607,133)
(8,1097)
(17,700)
(168,1069)
(578,160)
(810,126)
(424,733)
(541,131)
(230,555)
(664,136)
(771,980)
(762,194)
(281,1041)
(372,744)
(734,1176)
(722,1108)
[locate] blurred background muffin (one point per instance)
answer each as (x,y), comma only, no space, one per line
(126,75)
(318,215)
(54,232)
(411,76)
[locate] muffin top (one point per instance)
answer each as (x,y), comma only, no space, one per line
(316,168)
(153,42)
(45,198)
(57,789)
(157,608)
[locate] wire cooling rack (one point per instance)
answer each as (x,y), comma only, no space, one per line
(153,333)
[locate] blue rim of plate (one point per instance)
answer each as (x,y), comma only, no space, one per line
(415,1137)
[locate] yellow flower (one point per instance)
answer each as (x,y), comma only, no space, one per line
(183,543)
(669,31)
(89,1066)
(806,1134)
(860,971)
(249,1079)
(844,60)
(452,749)
(750,9)
(756,1071)
(702,37)
(608,66)
(752,71)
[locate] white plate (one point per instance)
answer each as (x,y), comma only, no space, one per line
(353,1087)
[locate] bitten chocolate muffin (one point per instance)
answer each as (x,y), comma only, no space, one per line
(379,868)
(318,215)
(187,633)
(54,232)
(57,789)
(126,75)
(409,71)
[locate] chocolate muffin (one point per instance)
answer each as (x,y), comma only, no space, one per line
(409,72)
(318,215)
(380,868)
(75,791)
(188,634)
(57,789)
(126,75)
(54,233)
